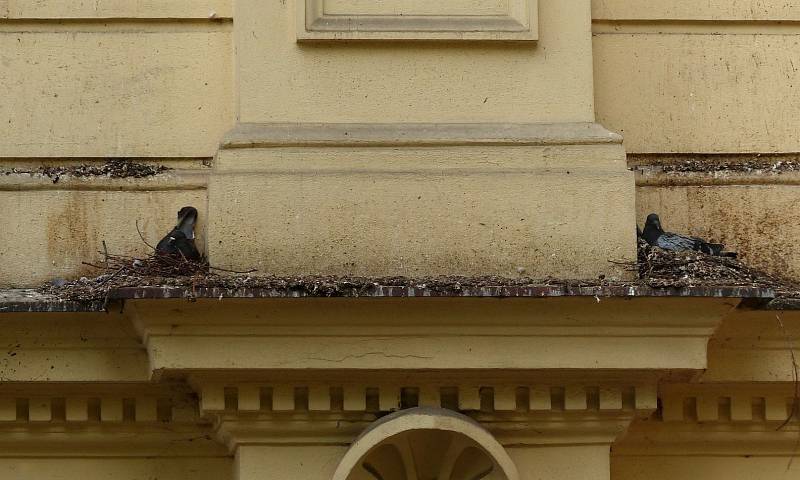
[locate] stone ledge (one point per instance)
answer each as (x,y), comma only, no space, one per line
(30,300)
(260,135)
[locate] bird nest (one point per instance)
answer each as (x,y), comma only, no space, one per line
(120,271)
(660,268)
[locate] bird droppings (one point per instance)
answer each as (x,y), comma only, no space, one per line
(114,168)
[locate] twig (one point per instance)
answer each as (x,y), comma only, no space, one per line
(142,236)
(795,374)
(231,271)
(93,265)
(113,275)
(627,264)
(105,252)
(796,398)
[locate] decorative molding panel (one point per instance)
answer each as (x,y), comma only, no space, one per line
(717,419)
(504,20)
(515,413)
(218,398)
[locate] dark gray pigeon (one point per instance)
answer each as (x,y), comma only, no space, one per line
(655,236)
(180,241)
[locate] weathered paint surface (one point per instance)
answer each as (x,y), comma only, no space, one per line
(758,221)
(420,211)
(155,78)
(715,10)
(52,232)
(118,90)
(112,9)
(283,81)
(685,91)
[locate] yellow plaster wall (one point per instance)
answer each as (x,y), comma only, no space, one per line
(47,234)
(678,76)
(100,79)
(758,221)
(132,84)
(709,77)
(287,462)
(712,10)
(422,211)
(754,346)
(117,468)
(71,348)
(280,80)
(85,9)
(559,462)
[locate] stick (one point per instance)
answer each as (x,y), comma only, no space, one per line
(93,265)
(231,271)
(796,378)
(142,236)
(105,252)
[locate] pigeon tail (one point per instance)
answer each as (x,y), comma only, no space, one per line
(712,248)
(716,249)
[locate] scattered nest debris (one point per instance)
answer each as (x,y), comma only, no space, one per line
(755,165)
(115,168)
(97,289)
(656,268)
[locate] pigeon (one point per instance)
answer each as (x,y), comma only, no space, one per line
(180,241)
(655,236)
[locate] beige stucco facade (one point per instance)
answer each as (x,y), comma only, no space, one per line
(399,138)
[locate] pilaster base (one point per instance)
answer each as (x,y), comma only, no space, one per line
(422,199)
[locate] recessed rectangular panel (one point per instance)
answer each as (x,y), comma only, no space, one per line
(504,20)
(425,7)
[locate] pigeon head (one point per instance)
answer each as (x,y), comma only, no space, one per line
(653,222)
(652,229)
(187,216)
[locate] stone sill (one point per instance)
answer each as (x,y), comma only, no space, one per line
(31,301)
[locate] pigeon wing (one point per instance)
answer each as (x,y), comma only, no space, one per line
(675,242)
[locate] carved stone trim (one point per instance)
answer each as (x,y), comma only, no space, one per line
(248,414)
(42,404)
(125,420)
(320,20)
(726,403)
(266,398)
(717,419)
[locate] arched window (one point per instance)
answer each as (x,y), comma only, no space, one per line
(426,444)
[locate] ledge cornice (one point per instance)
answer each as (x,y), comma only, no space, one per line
(265,135)
(30,300)
(400,334)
